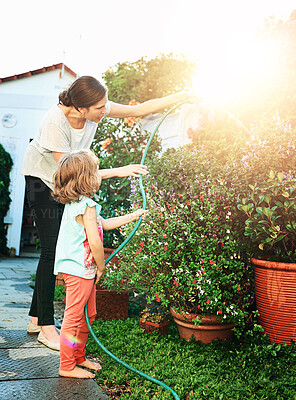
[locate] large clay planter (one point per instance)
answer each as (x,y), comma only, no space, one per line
(161,328)
(210,329)
(275,293)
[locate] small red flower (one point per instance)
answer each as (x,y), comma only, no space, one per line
(198,306)
(176,283)
(165,248)
(212,262)
(202,260)
(217,269)
(220,312)
(166,221)
(142,244)
(164,236)
(201,197)
(122,280)
(238,288)
(188,202)
(208,301)
(193,282)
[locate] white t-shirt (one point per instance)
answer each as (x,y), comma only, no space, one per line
(55,134)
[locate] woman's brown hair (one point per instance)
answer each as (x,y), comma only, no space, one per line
(84,92)
(76,176)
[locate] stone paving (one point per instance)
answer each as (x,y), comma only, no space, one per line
(29,370)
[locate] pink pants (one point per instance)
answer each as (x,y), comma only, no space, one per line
(74,331)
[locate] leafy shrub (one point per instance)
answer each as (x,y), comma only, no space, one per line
(5,168)
(270,217)
(117,144)
(59,292)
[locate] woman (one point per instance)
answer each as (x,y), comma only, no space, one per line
(70,125)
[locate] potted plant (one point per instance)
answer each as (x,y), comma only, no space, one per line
(270,230)
(154,319)
(186,257)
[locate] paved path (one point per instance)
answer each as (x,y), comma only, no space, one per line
(29,370)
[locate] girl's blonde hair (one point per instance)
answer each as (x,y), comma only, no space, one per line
(76,176)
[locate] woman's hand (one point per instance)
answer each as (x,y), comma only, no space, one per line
(132,170)
(139,213)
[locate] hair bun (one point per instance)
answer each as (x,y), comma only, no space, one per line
(65,99)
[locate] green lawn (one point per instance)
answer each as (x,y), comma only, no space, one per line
(250,369)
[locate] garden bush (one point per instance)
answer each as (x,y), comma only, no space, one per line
(5,168)
(119,143)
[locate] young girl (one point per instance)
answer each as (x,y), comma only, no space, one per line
(80,254)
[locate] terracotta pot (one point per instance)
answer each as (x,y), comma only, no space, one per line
(275,289)
(210,328)
(111,305)
(162,328)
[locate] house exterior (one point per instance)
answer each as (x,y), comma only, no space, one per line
(24,99)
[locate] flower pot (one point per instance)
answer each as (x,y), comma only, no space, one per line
(162,328)
(210,328)
(111,305)
(275,288)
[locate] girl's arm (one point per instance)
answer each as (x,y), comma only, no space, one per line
(94,240)
(148,107)
(116,222)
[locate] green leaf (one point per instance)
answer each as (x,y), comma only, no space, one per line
(280,176)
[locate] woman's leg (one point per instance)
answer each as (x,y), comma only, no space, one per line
(78,291)
(47,214)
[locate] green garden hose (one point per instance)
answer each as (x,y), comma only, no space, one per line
(150,378)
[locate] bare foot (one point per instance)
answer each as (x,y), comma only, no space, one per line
(91,365)
(50,333)
(77,372)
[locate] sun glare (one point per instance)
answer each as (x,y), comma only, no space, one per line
(246,64)
(231,58)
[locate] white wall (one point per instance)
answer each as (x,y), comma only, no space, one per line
(27,99)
